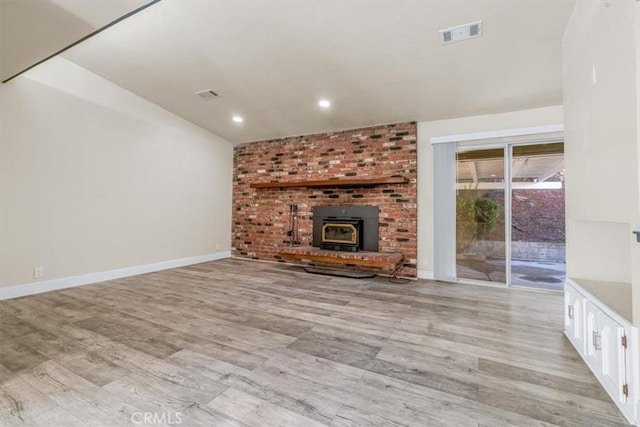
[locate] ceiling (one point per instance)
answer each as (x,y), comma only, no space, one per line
(533,166)
(532,172)
(32,30)
(376,61)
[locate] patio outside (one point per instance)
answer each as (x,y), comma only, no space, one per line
(537,217)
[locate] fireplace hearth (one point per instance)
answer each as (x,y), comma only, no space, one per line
(346,228)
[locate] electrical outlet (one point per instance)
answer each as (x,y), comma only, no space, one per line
(217,246)
(38,272)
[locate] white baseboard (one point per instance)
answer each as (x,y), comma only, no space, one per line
(426,274)
(85,279)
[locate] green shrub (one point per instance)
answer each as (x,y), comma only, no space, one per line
(475,218)
(486,215)
(466,225)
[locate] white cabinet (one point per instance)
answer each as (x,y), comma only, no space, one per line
(593,338)
(612,356)
(606,342)
(605,350)
(573,317)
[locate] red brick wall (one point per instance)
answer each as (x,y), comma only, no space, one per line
(261,217)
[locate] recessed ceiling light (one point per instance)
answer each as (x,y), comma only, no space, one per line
(324,103)
(237,119)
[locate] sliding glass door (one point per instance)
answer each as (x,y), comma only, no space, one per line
(537,216)
(510,222)
(480,215)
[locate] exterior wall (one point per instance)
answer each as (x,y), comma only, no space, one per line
(261,217)
(525,251)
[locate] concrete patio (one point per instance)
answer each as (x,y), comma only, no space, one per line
(530,274)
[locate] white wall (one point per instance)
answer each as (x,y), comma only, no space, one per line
(427,130)
(94,178)
(601,149)
(635,246)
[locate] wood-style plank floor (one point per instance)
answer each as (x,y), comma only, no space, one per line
(237,342)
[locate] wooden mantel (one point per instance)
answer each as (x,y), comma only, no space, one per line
(336,183)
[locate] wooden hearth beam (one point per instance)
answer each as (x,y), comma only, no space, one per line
(359,182)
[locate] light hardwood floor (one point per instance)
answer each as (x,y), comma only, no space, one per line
(236,342)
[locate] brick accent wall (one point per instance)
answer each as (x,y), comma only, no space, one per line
(261,216)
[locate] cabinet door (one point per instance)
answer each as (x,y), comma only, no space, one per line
(578,321)
(593,338)
(569,310)
(612,357)
(574,318)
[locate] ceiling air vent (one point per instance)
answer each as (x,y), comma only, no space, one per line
(207,94)
(461,32)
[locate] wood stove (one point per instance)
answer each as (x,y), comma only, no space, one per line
(342,234)
(346,228)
